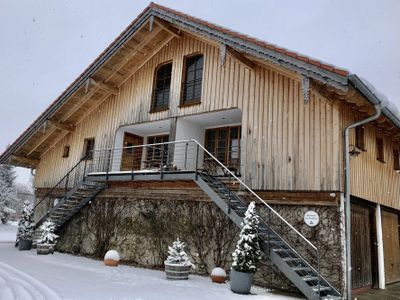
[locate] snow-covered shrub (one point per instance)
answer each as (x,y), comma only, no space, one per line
(177,254)
(25,225)
(112,254)
(7,196)
(48,236)
(248,253)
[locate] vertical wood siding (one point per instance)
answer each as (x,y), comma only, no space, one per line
(371,179)
(286,144)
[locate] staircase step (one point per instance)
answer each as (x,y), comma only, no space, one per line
(282,250)
(301,268)
(289,259)
(310,278)
(322,288)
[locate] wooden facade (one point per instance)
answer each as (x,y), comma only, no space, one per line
(297,143)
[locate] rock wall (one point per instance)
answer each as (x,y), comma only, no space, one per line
(141,230)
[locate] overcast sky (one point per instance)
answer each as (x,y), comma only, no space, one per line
(46,44)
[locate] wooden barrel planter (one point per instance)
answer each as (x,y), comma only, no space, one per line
(177,272)
(111,259)
(45,249)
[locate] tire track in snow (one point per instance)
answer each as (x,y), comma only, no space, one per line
(17,285)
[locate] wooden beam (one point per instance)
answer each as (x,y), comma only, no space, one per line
(240,57)
(104,86)
(137,49)
(61,126)
(150,56)
(25,160)
(80,103)
(168,27)
(42,140)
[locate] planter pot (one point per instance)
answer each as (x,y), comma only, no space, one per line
(177,272)
(218,279)
(45,249)
(241,282)
(218,275)
(24,245)
(111,262)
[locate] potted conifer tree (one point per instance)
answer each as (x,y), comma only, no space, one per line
(177,264)
(48,238)
(25,228)
(247,253)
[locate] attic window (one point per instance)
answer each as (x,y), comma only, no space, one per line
(193,77)
(162,85)
(360,138)
(380,150)
(396,158)
(65,151)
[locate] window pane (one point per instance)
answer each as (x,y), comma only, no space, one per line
(162,86)
(193,78)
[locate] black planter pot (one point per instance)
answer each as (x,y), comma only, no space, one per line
(24,245)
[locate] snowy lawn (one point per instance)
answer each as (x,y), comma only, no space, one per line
(25,275)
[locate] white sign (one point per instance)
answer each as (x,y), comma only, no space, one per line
(311,218)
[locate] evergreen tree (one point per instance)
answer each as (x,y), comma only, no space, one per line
(7,174)
(177,254)
(25,225)
(7,191)
(248,252)
(48,233)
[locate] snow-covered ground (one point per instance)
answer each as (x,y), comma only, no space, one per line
(25,275)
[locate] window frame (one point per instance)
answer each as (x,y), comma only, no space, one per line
(153,107)
(396,158)
(380,148)
(360,138)
(193,101)
(88,153)
(66,151)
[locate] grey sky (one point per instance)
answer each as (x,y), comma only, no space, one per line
(46,44)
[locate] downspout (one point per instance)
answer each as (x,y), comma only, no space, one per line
(375,116)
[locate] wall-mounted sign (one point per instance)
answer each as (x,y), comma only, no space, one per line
(311,218)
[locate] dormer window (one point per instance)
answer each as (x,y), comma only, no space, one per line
(192,79)
(162,86)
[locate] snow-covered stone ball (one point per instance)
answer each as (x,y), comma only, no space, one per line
(218,275)
(111,258)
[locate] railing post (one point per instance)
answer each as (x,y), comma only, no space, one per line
(186,152)
(66,183)
(133,163)
(108,163)
(84,168)
(319,275)
(229,195)
(161,169)
(269,232)
(197,161)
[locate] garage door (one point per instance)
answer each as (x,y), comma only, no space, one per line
(391,246)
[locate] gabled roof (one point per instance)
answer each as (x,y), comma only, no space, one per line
(308,67)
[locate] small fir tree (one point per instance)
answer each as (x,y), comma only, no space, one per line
(25,225)
(177,254)
(48,235)
(248,253)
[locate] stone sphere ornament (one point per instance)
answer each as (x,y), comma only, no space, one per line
(111,259)
(218,275)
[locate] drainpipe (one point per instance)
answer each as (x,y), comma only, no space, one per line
(347,191)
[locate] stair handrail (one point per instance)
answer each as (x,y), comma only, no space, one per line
(254,194)
(48,194)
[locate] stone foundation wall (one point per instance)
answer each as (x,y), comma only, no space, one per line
(141,230)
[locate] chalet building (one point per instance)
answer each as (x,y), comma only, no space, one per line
(180,123)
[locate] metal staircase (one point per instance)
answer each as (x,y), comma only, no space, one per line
(295,256)
(68,197)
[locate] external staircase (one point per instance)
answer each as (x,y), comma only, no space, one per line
(294,255)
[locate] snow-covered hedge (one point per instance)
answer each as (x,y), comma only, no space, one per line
(248,253)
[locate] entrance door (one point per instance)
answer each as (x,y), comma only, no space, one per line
(391,246)
(131,157)
(361,261)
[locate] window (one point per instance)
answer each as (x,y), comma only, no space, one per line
(193,76)
(396,158)
(224,144)
(157,155)
(380,150)
(65,151)
(360,139)
(88,148)
(162,84)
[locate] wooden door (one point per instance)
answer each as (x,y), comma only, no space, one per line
(361,253)
(131,157)
(391,247)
